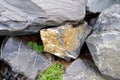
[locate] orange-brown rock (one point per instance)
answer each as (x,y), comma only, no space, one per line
(64,41)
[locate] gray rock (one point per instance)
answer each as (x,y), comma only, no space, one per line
(105,50)
(27,31)
(23,59)
(17,15)
(79,70)
(109,19)
(100,5)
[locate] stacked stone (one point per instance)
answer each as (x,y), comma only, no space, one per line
(63,30)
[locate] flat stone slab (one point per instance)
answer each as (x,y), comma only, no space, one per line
(23,59)
(29,16)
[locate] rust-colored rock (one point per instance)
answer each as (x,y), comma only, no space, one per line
(65,41)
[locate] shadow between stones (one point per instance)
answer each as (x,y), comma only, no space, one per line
(85,53)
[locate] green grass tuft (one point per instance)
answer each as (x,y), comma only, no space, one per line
(36,47)
(54,72)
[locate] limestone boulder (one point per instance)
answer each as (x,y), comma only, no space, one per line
(65,41)
(105,50)
(104,44)
(29,16)
(109,19)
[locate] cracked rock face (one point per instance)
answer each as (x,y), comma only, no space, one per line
(65,41)
(79,70)
(21,16)
(105,50)
(100,5)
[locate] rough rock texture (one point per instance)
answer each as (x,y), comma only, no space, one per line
(65,41)
(79,70)
(100,5)
(105,50)
(109,19)
(23,59)
(25,15)
(104,43)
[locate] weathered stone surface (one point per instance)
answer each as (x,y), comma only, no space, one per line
(105,50)
(65,41)
(104,42)
(79,70)
(6,30)
(23,59)
(109,19)
(18,16)
(100,5)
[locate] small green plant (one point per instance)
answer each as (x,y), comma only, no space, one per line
(36,47)
(54,72)
(30,44)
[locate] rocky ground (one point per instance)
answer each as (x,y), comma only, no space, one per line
(59,39)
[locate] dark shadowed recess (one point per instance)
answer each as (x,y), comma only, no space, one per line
(91,17)
(1,39)
(85,53)
(33,38)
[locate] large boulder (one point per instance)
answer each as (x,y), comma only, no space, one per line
(105,50)
(23,59)
(104,42)
(109,19)
(23,16)
(81,70)
(65,41)
(100,5)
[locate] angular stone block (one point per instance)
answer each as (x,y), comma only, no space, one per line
(23,59)
(66,40)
